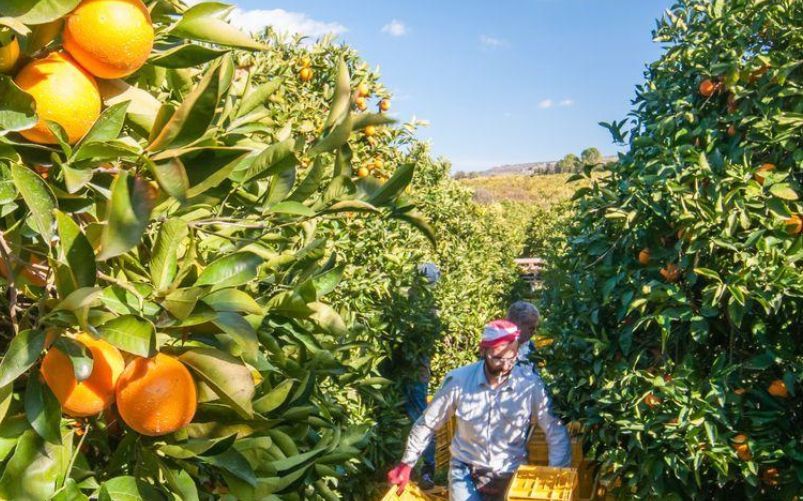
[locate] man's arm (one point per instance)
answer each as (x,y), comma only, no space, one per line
(434,416)
(557,437)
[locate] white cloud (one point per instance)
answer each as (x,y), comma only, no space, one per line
(566,102)
(395,28)
(492,42)
(545,104)
(255,21)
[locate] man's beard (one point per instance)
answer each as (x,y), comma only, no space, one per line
(499,372)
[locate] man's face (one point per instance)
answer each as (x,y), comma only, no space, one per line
(501,359)
(527,329)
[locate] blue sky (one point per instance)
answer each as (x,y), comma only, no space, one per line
(499,82)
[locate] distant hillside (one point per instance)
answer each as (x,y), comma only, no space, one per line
(543,191)
(527,169)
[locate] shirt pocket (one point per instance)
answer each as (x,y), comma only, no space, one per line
(472,414)
(515,413)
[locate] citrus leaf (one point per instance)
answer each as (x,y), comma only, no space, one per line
(31,471)
(185,56)
(230,271)
(783,191)
(164,260)
(131,334)
(274,398)
(17,108)
(80,356)
(341,102)
(43,410)
(22,353)
(37,197)
(310,184)
(258,96)
(205,22)
(127,489)
(38,11)
(127,215)
(107,126)
(225,375)
(76,251)
(393,186)
(232,300)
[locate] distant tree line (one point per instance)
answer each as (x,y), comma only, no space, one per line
(570,163)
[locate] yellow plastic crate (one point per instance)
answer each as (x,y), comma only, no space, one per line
(538,450)
(543,483)
(443,440)
(411,493)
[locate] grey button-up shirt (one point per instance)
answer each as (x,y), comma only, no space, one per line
(492,424)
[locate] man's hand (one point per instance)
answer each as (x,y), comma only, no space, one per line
(400,476)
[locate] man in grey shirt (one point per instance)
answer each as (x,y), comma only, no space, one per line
(495,401)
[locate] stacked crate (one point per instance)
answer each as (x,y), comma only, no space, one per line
(543,483)
(538,454)
(411,493)
(443,439)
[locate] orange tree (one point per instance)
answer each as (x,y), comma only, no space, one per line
(685,362)
(160,249)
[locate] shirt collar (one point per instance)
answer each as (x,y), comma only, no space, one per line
(482,381)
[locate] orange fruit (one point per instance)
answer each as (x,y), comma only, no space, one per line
(739,391)
(770,476)
(767,167)
(778,389)
(739,439)
(378,163)
(362,172)
(732,130)
(644,256)
(362,90)
(384,105)
(369,130)
(156,396)
(64,93)
(92,395)
(732,105)
(671,273)
(743,452)
(9,55)
(305,74)
(32,276)
(360,103)
(794,225)
(652,401)
(708,87)
(109,38)
(306,62)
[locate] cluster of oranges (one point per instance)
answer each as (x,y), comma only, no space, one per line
(102,39)
(305,74)
(154,396)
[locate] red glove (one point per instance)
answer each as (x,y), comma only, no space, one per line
(400,476)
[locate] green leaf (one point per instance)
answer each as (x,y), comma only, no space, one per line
(6,396)
(191,120)
(783,191)
(205,22)
(341,101)
(181,302)
(291,208)
(38,11)
(393,186)
(8,192)
(210,168)
(76,251)
(274,159)
(127,215)
(258,96)
(37,197)
(164,260)
(232,300)
(172,177)
(335,139)
(310,184)
(199,447)
(234,463)
(107,126)
(225,375)
(241,332)
(127,489)
(328,319)
(230,271)
(43,411)
(187,55)
(32,471)
(131,334)
(80,356)
(69,492)
(280,186)
(21,354)
(79,299)
(274,398)
(421,224)
(363,120)
(143,107)
(17,108)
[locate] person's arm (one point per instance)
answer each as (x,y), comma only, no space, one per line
(434,416)
(557,437)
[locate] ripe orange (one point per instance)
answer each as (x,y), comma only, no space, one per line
(378,163)
(644,256)
(671,273)
(360,103)
(770,476)
(778,389)
(384,105)
(743,452)
(652,401)
(732,130)
(794,225)
(767,167)
(110,38)
(32,276)
(156,396)
(9,55)
(362,90)
(708,87)
(740,391)
(362,172)
(92,395)
(369,131)
(64,93)
(305,74)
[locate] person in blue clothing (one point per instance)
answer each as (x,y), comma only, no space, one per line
(417,390)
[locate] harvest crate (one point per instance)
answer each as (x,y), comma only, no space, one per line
(543,483)
(443,439)
(538,450)
(411,493)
